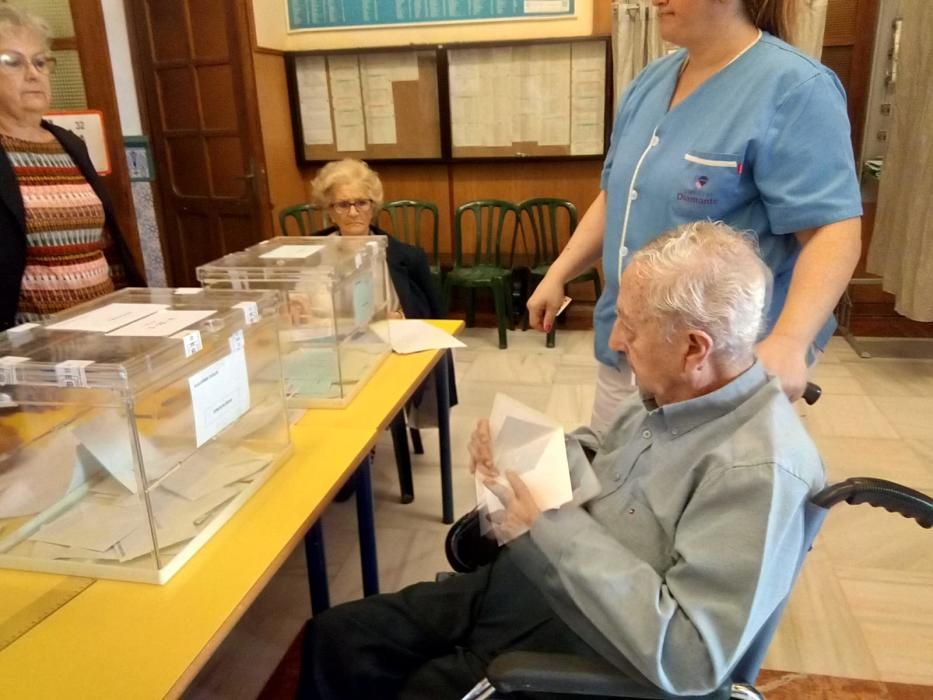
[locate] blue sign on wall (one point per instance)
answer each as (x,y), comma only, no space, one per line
(323,14)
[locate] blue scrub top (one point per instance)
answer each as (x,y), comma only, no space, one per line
(762,145)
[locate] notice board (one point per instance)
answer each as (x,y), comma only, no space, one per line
(380,105)
(547,99)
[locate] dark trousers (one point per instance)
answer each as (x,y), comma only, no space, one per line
(430,640)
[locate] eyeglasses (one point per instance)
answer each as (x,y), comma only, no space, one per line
(15,62)
(361,205)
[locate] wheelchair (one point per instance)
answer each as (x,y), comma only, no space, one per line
(562,675)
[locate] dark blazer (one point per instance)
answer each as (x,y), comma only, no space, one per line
(418,294)
(13,223)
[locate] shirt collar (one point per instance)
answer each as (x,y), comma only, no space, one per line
(684,416)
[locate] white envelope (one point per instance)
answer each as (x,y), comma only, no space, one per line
(531,444)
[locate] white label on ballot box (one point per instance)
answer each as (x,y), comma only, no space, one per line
(107,318)
(292,251)
(163,323)
(8,368)
(219,395)
(362,300)
(71,372)
(191,341)
(250,311)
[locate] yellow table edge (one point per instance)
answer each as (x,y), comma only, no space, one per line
(52,659)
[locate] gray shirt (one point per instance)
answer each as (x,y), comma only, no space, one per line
(692,538)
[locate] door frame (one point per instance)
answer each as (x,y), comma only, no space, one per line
(243,57)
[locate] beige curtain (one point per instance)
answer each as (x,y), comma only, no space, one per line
(902,243)
(636,41)
(811,23)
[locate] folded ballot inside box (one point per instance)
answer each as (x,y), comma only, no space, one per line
(134,427)
(332,289)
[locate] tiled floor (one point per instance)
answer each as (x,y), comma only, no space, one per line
(862,609)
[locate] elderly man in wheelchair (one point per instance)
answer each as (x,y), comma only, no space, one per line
(684,535)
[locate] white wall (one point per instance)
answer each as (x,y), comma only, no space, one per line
(125,84)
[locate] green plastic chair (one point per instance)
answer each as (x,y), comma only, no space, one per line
(308,219)
(544,218)
(482,266)
(410,220)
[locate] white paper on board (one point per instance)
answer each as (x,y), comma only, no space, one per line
(162,323)
(413,335)
(107,318)
(292,252)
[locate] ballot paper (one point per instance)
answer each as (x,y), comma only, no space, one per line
(411,335)
(91,524)
(37,475)
(106,439)
(177,519)
(530,444)
(212,468)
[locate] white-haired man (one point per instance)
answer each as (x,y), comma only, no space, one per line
(686,524)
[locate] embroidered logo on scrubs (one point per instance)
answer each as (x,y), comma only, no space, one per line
(701,182)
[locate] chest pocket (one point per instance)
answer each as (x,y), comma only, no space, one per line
(706,185)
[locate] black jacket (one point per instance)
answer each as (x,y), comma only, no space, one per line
(418,295)
(13,223)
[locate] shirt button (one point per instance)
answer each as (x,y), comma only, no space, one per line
(633,195)
(655,141)
(631,511)
(617,476)
(646,434)
(623,251)
(673,431)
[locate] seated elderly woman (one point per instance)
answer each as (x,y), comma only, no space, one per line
(59,240)
(351,193)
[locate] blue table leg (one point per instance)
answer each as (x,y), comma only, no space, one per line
(443,430)
(402,457)
(317,569)
(366,524)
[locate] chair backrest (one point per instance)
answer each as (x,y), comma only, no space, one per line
(412,219)
(306,219)
(878,493)
(492,218)
(542,220)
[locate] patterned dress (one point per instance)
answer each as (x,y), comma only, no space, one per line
(65,235)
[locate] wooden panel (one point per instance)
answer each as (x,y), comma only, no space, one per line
(427,182)
(286,181)
(91,40)
(839,58)
(840,22)
(602,17)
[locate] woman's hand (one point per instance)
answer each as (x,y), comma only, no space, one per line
(481,451)
(785,358)
(544,304)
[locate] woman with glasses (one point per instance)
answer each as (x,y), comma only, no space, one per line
(351,194)
(58,236)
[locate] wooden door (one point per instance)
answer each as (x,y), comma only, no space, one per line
(193,61)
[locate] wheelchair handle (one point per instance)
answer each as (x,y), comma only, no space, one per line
(812,393)
(879,493)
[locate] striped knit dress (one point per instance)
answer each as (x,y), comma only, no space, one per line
(65,237)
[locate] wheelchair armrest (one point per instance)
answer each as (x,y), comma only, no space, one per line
(524,671)
(879,493)
(466,547)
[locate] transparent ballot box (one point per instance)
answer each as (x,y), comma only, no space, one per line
(334,293)
(132,427)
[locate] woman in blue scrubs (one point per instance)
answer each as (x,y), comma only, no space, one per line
(736,126)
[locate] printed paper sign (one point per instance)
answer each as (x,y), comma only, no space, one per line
(292,251)
(219,395)
(107,318)
(163,323)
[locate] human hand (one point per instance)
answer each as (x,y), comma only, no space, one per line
(520,511)
(481,451)
(785,358)
(544,303)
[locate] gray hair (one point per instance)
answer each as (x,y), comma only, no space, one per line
(345,172)
(14,19)
(707,276)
